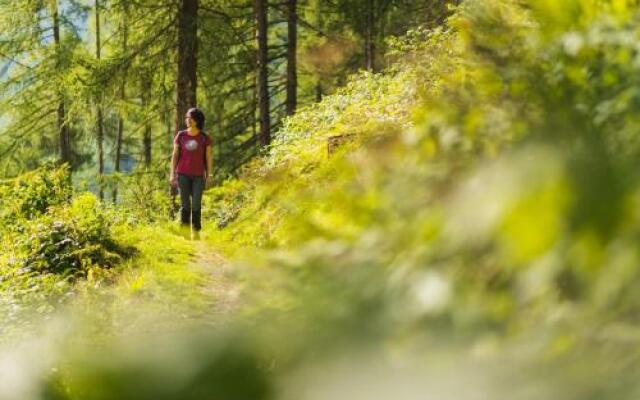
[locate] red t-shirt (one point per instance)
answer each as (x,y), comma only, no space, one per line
(192,153)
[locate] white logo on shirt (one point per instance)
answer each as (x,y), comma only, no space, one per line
(191,145)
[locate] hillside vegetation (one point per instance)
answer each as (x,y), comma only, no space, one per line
(479,224)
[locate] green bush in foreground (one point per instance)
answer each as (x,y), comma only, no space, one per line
(506,214)
(69,240)
(50,239)
(31,195)
(514,189)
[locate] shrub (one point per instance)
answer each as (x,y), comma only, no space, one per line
(33,193)
(144,195)
(227,201)
(70,240)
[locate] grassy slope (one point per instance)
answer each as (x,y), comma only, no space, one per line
(286,196)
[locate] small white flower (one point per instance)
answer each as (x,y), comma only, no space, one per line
(572,43)
(432,292)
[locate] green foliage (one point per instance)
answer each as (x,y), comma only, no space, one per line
(227,200)
(483,217)
(230,371)
(144,195)
(70,240)
(274,200)
(50,239)
(508,194)
(32,194)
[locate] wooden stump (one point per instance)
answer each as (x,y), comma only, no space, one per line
(335,142)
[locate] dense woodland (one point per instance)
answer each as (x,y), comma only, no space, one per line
(413,199)
(105,84)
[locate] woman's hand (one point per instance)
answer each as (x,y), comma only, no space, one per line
(173,180)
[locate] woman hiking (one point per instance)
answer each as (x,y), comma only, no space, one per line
(191,167)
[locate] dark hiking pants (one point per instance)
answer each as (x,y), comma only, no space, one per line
(191,188)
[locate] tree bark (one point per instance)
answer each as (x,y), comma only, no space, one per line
(319,23)
(369,36)
(292,74)
(262,71)
(318,91)
(186,85)
(169,127)
(255,120)
(99,125)
(123,97)
(63,130)
(146,138)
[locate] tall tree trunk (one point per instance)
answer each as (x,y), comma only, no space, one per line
(262,72)
(369,36)
(254,107)
(123,97)
(147,144)
(63,130)
(318,91)
(255,120)
(169,127)
(220,134)
(319,23)
(186,84)
(292,74)
(118,155)
(146,136)
(99,125)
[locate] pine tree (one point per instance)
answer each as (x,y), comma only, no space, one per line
(99,121)
(262,73)
(292,48)
(187,56)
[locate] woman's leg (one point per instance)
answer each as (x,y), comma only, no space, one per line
(197,189)
(185,185)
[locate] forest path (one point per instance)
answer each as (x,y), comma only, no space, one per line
(220,288)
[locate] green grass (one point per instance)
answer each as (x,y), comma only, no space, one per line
(162,286)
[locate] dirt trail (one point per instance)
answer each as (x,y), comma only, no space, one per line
(221,289)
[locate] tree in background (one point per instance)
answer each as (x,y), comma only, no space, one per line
(292,54)
(123,97)
(35,51)
(187,59)
(99,122)
(262,71)
(63,129)
(372,20)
